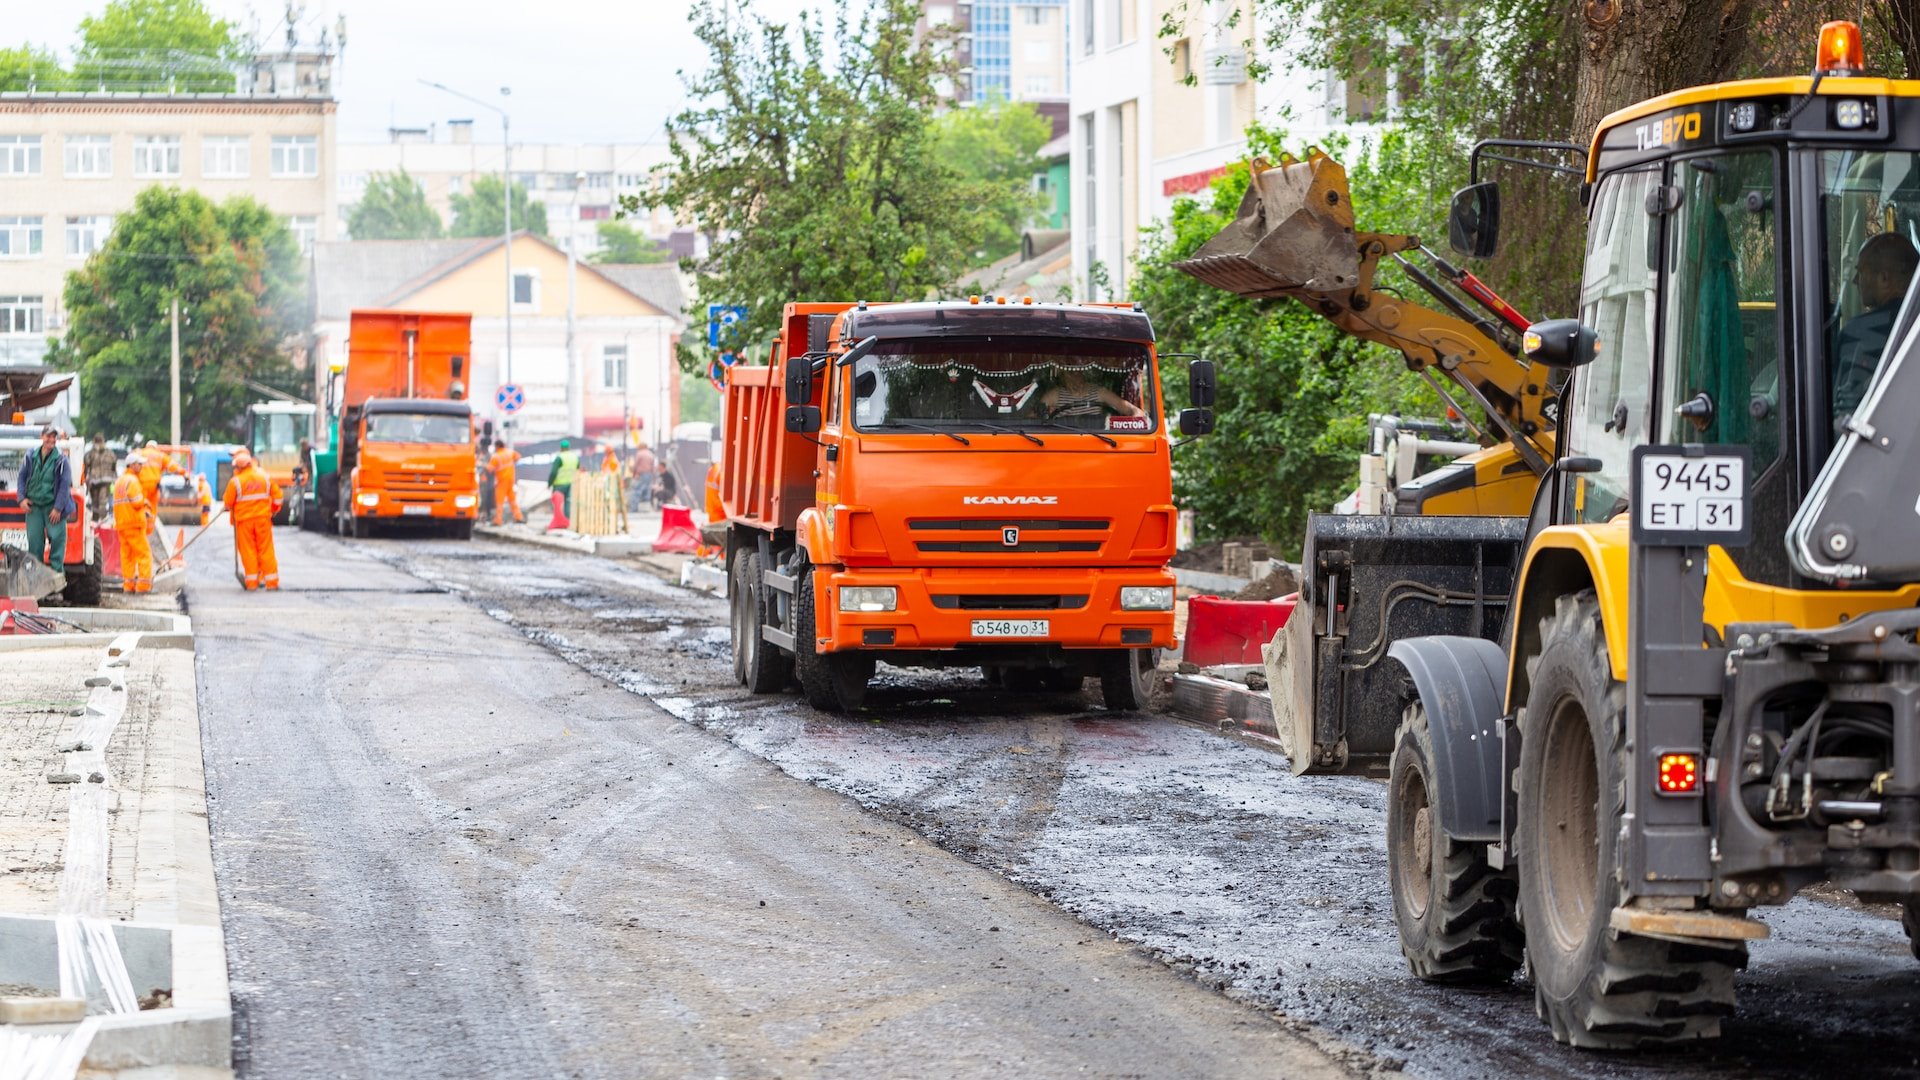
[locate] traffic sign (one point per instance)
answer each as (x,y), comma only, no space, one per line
(510,397)
(720,320)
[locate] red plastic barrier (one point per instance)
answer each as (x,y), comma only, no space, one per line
(559,514)
(1232,631)
(677,533)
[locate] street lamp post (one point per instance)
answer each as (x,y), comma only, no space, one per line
(576,405)
(506,200)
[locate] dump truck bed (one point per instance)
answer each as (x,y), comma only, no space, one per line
(769,475)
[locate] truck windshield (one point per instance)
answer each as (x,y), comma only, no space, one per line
(280,433)
(1020,383)
(417,428)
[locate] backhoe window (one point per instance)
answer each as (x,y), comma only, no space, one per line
(1723,350)
(1870,207)
(1032,384)
(1611,396)
(279,433)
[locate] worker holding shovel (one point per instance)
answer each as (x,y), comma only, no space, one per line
(132,518)
(253,500)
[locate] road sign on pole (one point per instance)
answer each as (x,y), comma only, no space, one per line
(720,321)
(510,397)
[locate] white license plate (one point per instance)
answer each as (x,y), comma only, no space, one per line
(1011,628)
(15,537)
(416,510)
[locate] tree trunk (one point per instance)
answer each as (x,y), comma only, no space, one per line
(1637,49)
(1900,21)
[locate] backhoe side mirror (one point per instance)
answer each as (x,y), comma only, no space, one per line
(1201,383)
(799,376)
(1560,343)
(1473,224)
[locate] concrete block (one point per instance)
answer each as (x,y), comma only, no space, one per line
(616,546)
(705,577)
(42,1010)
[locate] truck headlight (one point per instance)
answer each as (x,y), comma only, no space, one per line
(463,501)
(368,498)
(1146,598)
(869,598)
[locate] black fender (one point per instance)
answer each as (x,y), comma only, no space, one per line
(1461,681)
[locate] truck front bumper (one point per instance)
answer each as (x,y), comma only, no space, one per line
(944,609)
(464,506)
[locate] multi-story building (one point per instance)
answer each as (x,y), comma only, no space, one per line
(1014,50)
(71,161)
(579,185)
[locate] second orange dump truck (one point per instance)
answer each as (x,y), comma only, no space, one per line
(953,484)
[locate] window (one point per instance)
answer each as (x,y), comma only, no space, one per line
(456,185)
(939,14)
(596,213)
(1041,85)
(224,157)
(526,289)
(1035,16)
(19,237)
(23,315)
(89,156)
(19,155)
(1612,396)
(1183,59)
(613,367)
(971,384)
(1086,26)
(156,156)
(296,155)
(305,229)
(599,179)
(85,235)
(434,428)
(631,180)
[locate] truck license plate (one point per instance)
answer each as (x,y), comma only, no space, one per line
(14,538)
(416,510)
(1011,628)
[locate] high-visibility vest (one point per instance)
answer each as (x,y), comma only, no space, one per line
(251,495)
(129,504)
(569,463)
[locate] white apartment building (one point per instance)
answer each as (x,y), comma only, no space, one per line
(1142,138)
(70,162)
(579,185)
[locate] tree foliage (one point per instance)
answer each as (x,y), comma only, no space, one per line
(811,156)
(235,269)
(622,243)
(997,144)
(30,68)
(477,212)
(394,207)
(151,44)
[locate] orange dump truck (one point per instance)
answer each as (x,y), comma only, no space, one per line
(954,484)
(403,449)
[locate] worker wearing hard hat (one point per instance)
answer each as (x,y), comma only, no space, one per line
(253,499)
(506,499)
(132,518)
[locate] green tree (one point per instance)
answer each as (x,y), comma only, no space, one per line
(175,45)
(622,243)
(477,211)
(30,68)
(235,269)
(811,157)
(394,207)
(997,143)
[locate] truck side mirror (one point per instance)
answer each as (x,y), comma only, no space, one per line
(1473,223)
(1560,344)
(459,364)
(1201,383)
(1196,422)
(799,376)
(803,419)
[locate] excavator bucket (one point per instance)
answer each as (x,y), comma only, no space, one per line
(1292,234)
(27,576)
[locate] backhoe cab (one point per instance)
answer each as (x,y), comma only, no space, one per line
(1682,716)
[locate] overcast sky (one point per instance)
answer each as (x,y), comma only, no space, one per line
(581,70)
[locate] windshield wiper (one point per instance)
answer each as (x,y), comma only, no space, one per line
(1055,425)
(955,436)
(1012,431)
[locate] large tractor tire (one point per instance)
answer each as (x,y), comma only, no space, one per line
(832,682)
(1596,987)
(1126,679)
(768,670)
(1454,911)
(83,584)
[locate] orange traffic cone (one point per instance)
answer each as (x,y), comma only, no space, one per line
(179,558)
(559,514)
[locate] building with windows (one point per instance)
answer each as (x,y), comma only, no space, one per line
(1014,50)
(70,162)
(625,319)
(579,185)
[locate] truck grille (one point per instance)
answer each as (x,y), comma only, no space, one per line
(1007,602)
(1036,535)
(418,486)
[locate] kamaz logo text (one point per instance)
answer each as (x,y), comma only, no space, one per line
(1010,500)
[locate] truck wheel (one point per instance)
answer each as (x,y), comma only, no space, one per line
(832,682)
(1910,918)
(1126,679)
(328,503)
(461,530)
(1596,987)
(738,613)
(767,669)
(1454,912)
(83,585)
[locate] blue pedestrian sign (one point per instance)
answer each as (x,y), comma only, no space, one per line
(510,397)
(720,320)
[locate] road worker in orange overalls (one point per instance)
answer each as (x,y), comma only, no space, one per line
(151,469)
(132,518)
(505,498)
(253,499)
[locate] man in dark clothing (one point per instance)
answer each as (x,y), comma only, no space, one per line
(46,490)
(664,486)
(98,470)
(1886,267)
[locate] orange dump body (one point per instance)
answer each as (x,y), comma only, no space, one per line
(406,426)
(989,540)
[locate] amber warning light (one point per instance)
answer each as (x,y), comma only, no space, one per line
(1841,51)
(1679,774)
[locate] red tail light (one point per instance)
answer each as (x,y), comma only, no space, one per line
(1679,774)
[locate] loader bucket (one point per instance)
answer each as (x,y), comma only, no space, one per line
(28,577)
(1293,233)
